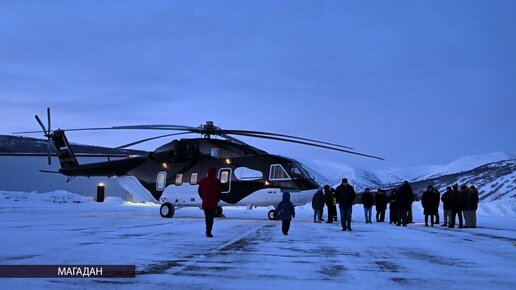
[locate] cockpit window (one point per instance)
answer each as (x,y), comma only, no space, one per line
(277,172)
(296,171)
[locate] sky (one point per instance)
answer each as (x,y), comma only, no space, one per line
(415,82)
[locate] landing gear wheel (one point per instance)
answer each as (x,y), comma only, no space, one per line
(220,212)
(167,210)
(273,215)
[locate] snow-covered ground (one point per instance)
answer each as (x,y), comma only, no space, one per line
(249,251)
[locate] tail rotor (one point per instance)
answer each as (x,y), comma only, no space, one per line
(48,134)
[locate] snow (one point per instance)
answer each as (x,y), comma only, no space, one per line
(249,251)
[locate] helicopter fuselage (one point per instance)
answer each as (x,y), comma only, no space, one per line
(249,176)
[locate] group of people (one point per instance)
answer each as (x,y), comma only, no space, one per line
(344,195)
(462,204)
(380,199)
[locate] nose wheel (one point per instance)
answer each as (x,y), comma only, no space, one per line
(273,215)
(167,210)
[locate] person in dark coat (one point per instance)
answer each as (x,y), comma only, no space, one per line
(429,201)
(318,205)
(405,199)
(345,194)
(210,192)
(367,201)
(394,211)
(447,206)
(466,205)
(381,201)
(286,212)
(328,199)
(456,202)
(474,205)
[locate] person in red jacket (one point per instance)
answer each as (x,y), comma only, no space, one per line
(210,192)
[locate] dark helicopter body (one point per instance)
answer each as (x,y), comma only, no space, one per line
(171,173)
(249,176)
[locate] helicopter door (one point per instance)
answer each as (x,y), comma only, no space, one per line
(225,179)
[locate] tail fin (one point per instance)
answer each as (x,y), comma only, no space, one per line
(64,151)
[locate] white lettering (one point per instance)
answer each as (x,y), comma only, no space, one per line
(79,271)
(99,271)
(61,271)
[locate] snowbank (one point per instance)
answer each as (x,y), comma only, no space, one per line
(58,196)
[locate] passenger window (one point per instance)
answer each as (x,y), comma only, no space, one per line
(179,179)
(194,178)
(161,181)
(224,177)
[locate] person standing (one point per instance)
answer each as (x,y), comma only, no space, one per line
(447,206)
(405,199)
(345,197)
(381,205)
(328,199)
(367,201)
(474,205)
(466,205)
(393,207)
(318,205)
(286,212)
(210,192)
(428,201)
(456,202)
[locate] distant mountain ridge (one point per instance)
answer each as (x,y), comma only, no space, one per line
(496,180)
(493,173)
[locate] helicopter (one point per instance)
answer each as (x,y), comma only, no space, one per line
(170,174)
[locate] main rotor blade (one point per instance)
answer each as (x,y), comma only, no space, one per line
(149,139)
(42,126)
(283,135)
(309,144)
(126,127)
(138,127)
(48,117)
